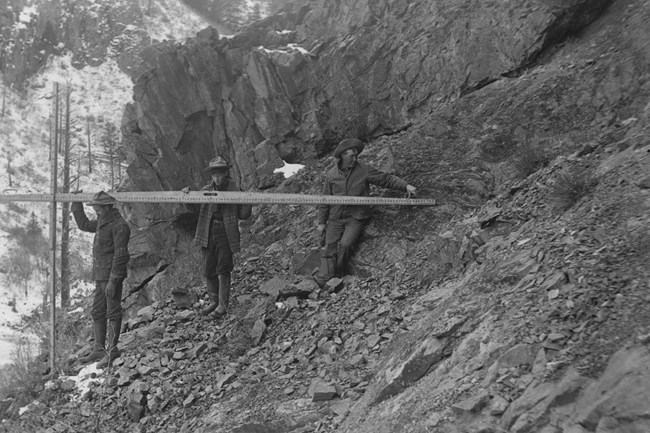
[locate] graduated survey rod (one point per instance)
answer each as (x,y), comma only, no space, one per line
(223,197)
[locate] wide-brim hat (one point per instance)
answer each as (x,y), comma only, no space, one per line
(349,143)
(102,198)
(217,163)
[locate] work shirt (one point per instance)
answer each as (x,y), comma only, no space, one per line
(355,182)
(228,213)
(110,246)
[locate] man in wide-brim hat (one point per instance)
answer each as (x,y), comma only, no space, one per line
(347,144)
(342,225)
(217,233)
(102,199)
(110,258)
(218,165)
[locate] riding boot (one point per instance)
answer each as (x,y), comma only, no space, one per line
(98,352)
(327,270)
(342,263)
(213,294)
(224,294)
(112,352)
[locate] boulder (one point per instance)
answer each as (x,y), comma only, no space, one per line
(618,400)
(404,370)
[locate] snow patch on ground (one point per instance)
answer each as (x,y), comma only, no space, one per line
(88,375)
(289,169)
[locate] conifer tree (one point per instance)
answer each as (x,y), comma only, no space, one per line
(109,142)
(256,13)
(29,255)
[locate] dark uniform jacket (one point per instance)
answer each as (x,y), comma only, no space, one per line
(110,247)
(230,214)
(355,183)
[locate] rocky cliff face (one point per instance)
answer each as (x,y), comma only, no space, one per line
(291,86)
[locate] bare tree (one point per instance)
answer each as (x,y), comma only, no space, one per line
(49,140)
(65,208)
(90,156)
(9,169)
(78,170)
(4,98)
(59,125)
(54,122)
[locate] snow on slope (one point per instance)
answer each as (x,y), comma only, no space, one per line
(99,93)
(170,19)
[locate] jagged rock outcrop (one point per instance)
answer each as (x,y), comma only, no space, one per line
(289,87)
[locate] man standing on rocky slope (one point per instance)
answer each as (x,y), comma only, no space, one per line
(110,257)
(217,233)
(343,225)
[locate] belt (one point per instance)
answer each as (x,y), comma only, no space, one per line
(217,221)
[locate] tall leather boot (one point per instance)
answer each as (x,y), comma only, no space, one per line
(327,270)
(342,262)
(224,295)
(98,351)
(112,352)
(213,294)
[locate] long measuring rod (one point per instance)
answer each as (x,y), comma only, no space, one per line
(222,197)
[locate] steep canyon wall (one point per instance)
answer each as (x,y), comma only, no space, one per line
(290,86)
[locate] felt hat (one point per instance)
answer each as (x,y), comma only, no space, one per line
(217,163)
(102,198)
(348,143)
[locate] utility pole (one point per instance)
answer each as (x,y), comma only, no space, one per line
(53,186)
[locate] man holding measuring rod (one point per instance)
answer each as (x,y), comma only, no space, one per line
(341,224)
(110,257)
(217,233)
